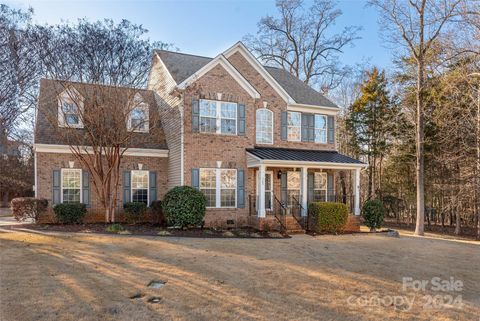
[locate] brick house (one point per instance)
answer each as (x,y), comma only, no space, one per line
(257,141)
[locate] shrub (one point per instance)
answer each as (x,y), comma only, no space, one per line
(24,208)
(157,213)
(115,228)
(135,211)
(184,206)
(327,217)
(373,212)
(70,213)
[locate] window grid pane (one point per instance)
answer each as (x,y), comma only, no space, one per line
(264,126)
(71,180)
(218,117)
(140,186)
(320,129)
(294,121)
(208,183)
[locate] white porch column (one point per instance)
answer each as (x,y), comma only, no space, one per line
(356,208)
(304,190)
(261,192)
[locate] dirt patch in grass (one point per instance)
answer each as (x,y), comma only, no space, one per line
(151,230)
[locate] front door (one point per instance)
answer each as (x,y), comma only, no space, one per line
(268,189)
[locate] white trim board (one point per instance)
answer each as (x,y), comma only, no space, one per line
(222,61)
(240,47)
(311,109)
(65,149)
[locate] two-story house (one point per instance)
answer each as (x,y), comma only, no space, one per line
(254,139)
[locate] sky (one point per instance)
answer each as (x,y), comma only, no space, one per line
(208,27)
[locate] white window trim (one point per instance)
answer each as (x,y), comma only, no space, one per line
(61,182)
(66,97)
(218,188)
(266,190)
(300,127)
(148,185)
(273,128)
(315,128)
(218,117)
(326,184)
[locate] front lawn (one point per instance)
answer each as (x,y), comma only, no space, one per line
(66,276)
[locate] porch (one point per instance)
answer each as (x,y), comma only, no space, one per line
(285,181)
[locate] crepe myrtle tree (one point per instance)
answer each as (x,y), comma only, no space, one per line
(98,53)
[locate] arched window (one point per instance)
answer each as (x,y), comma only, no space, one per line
(264,126)
(138,118)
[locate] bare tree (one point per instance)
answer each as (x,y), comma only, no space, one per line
(18,69)
(105,57)
(417,24)
(300,41)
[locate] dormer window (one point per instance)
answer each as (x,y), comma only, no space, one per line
(70,108)
(138,119)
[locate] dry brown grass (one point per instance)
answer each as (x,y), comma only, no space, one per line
(90,277)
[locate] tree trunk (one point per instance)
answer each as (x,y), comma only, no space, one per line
(457,221)
(477,190)
(419,228)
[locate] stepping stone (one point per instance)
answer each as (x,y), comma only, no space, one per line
(156,284)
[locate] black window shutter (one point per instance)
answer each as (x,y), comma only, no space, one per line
(311,128)
(331,129)
(86,187)
(241,119)
(305,128)
(152,184)
(56,176)
(240,188)
(127,197)
(283,131)
(195,116)
(330,188)
(196,178)
(283,188)
(310,186)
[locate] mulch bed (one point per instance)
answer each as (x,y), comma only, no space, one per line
(153,230)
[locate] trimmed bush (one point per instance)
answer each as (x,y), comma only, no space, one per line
(70,213)
(24,208)
(327,217)
(184,206)
(157,213)
(373,212)
(135,212)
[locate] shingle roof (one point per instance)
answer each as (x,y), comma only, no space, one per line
(181,66)
(48,132)
(302,155)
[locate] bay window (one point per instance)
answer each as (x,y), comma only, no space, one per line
(294,123)
(219,186)
(218,117)
(71,185)
(264,126)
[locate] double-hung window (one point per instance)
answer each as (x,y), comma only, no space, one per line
(321,129)
(219,186)
(320,187)
(264,126)
(293,188)
(140,186)
(218,117)
(294,129)
(71,185)
(70,108)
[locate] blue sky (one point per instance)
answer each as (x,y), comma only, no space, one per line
(209,27)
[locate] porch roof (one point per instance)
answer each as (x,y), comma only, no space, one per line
(302,157)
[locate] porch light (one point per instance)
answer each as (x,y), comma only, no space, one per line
(71,164)
(279,174)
